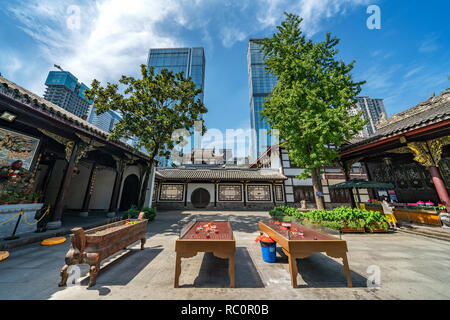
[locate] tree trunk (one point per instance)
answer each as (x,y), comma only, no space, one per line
(147,174)
(317,186)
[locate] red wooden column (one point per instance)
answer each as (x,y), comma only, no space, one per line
(59,204)
(440,187)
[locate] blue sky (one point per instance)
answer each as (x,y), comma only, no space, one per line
(403,62)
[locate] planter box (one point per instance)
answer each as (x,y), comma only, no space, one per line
(94,245)
(350,230)
(7,211)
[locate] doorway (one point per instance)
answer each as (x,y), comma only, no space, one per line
(200,198)
(130,193)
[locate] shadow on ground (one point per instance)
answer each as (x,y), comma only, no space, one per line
(214,272)
(320,271)
(121,270)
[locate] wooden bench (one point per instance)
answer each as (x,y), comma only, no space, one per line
(94,245)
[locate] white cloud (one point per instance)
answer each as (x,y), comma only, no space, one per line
(114,35)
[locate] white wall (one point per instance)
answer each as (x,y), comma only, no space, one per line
(78,185)
(103,188)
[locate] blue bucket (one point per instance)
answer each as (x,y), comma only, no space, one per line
(269,251)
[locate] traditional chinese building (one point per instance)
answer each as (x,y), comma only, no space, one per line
(218,187)
(298,190)
(410,150)
(72,162)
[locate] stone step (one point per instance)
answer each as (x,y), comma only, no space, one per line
(441,236)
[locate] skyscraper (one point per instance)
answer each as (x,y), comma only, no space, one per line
(373,110)
(104,121)
(261,84)
(64,90)
(189,60)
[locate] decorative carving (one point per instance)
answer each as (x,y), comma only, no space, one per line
(230,193)
(172,192)
(428,153)
(258,193)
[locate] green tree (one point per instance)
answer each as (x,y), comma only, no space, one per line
(152,108)
(311,101)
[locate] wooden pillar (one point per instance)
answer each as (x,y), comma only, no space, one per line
(89,188)
(59,204)
(440,187)
(215,193)
(273,194)
(245,193)
(113,205)
(185,193)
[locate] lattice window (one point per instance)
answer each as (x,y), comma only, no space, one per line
(258,193)
(172,192)
(230,193)
(279,193)
(304,193)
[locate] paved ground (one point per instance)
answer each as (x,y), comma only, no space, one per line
(412,267)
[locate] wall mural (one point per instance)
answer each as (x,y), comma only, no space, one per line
(16,146)
(258,193)
(230,193)
(172,192)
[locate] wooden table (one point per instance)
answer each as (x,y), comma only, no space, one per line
(193,241)
(296,247)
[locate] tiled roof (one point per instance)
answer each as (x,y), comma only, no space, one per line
(16,92)
(218,174)
(433,110)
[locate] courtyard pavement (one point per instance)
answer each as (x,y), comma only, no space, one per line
(411,267)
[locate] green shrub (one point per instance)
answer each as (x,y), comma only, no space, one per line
(132,213)
(337,218)
(149,213)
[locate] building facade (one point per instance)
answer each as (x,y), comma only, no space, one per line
(218,188)
(373,111)
(64,90)
(191,61)
(104,121)
(71,162)
(261,84)
(298,190)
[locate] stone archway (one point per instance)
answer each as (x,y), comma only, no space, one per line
(130,193)
(200,198)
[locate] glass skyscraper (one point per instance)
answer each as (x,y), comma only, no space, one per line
(261,84)
(64,90)
(189,60)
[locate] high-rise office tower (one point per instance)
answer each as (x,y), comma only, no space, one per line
(104,121)
(64,90)
(189,60)
(261,84)
(373,110)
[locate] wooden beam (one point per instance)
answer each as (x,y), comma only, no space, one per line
(59,204)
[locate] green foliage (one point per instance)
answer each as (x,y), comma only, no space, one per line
(149,213)
(132,213)
(152,109)
(338,218)
(311,101)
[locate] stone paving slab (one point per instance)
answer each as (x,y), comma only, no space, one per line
(412,267)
